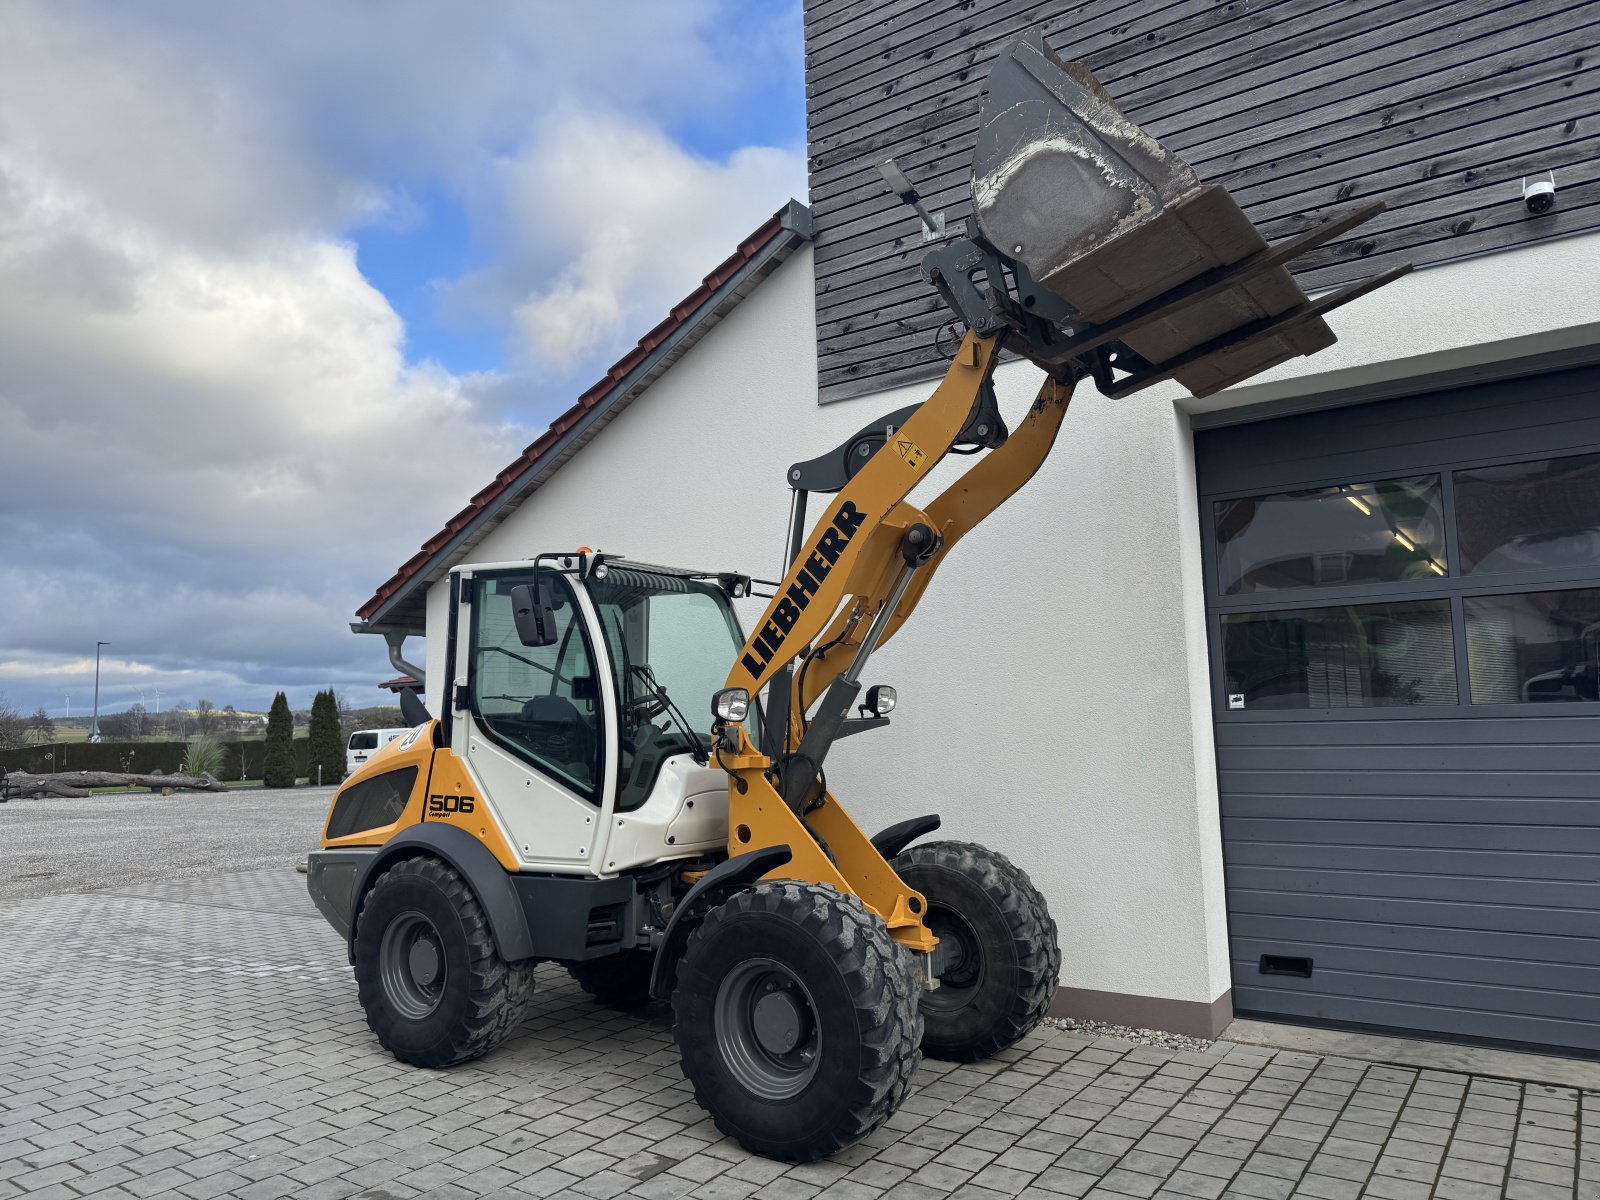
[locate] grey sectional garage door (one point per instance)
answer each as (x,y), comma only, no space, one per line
(1404,606)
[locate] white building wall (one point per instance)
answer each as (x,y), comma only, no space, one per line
(1054,689)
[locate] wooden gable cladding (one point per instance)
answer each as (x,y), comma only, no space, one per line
(1436,107)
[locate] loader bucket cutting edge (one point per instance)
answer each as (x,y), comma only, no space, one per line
(1109,220)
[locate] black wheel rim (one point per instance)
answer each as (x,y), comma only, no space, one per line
(412,965)
(767,1029)
(959,962)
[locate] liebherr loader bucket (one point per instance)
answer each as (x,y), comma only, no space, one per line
(1112,222)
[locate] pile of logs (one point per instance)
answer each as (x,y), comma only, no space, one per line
(77,783)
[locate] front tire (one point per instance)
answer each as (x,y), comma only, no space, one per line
(434,987)
(998,958)
(797,1020)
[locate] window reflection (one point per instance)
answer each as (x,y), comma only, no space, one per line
(1351,656)
(1378,532)
(1530,515)
(1535,647)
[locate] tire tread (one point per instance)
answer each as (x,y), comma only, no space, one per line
(499,992)
(884,992)
(1033,935)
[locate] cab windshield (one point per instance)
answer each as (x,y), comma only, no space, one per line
(671,641)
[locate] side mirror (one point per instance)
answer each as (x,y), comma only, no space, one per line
(534,614)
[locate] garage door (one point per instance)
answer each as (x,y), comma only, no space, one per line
(1404,610)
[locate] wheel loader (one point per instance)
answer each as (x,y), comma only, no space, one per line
(623,781)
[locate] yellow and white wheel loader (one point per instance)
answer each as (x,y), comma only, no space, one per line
(573,803)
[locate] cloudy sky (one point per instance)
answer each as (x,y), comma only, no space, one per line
(283,283)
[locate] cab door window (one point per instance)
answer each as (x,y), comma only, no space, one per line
(541,703)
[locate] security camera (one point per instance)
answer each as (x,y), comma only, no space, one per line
(1540,195)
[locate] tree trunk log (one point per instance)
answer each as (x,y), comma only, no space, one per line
(76,784)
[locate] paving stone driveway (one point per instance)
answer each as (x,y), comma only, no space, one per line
(202,1039)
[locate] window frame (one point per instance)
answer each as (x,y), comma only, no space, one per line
(596,794)
(1454,586)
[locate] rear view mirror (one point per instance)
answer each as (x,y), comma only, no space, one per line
(533,613)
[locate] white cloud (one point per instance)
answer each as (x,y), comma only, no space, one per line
(645,219)
(217,467)
(212,446)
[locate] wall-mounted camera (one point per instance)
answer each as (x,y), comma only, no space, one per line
(1540,195)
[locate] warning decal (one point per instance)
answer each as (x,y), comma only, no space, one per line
(909,451)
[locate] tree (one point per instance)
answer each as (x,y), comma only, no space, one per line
(205,717)
(175,721)
(116,727)
(278,770)
(327,743)
(13,727)
(40,727)
(124,726)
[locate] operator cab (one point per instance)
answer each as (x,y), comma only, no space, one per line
(583,700)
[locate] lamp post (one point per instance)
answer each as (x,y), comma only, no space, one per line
(94,722)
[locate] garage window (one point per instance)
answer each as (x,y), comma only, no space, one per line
(1530,516)
(1534,647)
(1378,531)
(1343,656)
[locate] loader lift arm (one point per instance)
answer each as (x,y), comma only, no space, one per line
(869,560)
(1128,270)
(850,586)
(1129,273)
(859,575)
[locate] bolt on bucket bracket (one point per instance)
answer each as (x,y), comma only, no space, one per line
(1101,252)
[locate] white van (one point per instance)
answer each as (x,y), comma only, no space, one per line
(364,743)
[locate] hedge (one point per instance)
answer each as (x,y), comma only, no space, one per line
(140,757)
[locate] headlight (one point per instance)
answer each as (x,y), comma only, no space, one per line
(730,704)
(881,699)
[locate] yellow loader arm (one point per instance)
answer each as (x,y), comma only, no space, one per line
(857,577)
(1097,254)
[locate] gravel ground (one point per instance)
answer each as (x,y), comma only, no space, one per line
(1144,1037)
(55,846)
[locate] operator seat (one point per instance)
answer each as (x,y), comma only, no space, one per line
(556,721)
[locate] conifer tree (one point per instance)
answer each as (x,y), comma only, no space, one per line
(278,770)
(327,745)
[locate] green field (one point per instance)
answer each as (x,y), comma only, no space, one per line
(74,733)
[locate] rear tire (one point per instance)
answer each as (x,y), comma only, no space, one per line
(435,989)
(797,1019)
(998,940)
(619,980)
